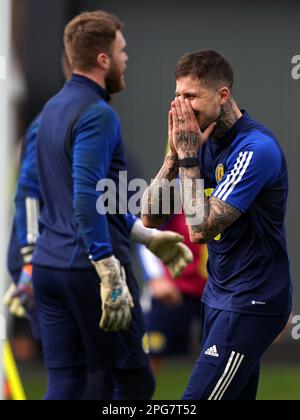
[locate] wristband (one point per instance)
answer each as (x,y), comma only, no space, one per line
(188,163)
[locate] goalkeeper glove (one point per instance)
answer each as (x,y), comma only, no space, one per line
(166,245)
(13,304)
(116,299)
(20,298)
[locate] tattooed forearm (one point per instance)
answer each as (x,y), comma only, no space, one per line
(169,169)
(217,215)
(158,198)
(227,118)
(220,216)
(193,200)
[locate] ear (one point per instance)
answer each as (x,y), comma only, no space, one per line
(103,61)
(224,94)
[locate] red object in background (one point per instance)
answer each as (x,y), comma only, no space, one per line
(193,279)
(7,393)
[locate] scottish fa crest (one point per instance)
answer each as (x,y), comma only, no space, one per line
(220,171)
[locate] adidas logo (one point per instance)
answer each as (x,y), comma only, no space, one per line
(212,351)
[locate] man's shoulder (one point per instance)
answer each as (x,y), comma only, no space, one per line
(258,139)
(101,107)
(99,112)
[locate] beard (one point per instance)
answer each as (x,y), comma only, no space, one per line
(202,120)
(203,124)
(220,128)
(114,81)
(209,120)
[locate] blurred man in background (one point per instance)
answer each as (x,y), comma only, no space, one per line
(19,297)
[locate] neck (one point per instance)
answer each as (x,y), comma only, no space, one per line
(93,75)
(229,115)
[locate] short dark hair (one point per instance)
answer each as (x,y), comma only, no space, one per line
(89,34)
(209,66)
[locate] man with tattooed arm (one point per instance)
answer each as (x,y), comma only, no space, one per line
(248,297)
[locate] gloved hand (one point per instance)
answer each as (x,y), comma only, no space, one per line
(116,299)
(166,245)
(20,298)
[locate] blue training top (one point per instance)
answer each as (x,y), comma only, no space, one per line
(79,143)
(248,267)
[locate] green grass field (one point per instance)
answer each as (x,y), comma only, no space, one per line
(277,382)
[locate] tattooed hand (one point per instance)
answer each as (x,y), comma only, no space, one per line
(172,148)
(154,213)
(187,136)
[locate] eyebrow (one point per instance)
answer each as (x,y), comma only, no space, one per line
(187,94)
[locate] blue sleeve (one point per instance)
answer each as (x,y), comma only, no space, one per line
(256,166)
(28,199)
(97,133)
(130,220)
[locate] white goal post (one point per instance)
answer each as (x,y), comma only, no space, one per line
(5,142)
